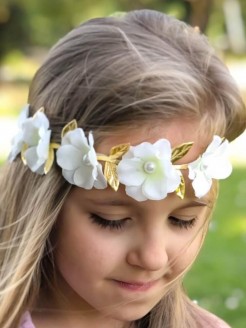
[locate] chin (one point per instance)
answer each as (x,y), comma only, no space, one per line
(129,312)
(128,316)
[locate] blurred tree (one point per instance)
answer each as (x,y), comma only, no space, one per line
(193,12)
(14,29)
(234,26)
(198,12)
(25,23)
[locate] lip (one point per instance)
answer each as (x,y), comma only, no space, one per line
(136,285)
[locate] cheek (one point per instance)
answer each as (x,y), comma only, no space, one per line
(183,254)
(84,250)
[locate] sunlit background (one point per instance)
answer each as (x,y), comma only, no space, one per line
(27,30)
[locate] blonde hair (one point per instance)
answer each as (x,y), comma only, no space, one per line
(108,73)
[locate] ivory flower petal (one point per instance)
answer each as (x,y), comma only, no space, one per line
(36,156)
(78,160)
(83,177)
(153,191)
(131,167)
(100,182)
(35,135)
(17,141)
(212,164)
(147,172)
(135,192)
(35,129)
(201,184)
(66,153)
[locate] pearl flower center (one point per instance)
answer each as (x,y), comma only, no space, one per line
(149,167)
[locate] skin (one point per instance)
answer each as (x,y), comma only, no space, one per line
(109,277)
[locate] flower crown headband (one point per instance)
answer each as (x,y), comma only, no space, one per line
(148,171)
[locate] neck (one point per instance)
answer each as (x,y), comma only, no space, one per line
(50,319)
(55,310)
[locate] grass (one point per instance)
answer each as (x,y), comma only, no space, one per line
(217,280)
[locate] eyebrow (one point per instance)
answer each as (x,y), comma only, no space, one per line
(119,202)
(195,203)
(110,202)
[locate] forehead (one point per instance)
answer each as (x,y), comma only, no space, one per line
(177,131)
(108,197)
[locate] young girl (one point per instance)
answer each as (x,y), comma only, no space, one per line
(113,177)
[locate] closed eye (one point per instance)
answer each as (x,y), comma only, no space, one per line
(181,223)
(107,223)
(120,223)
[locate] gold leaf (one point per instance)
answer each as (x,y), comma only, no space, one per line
(122,148)
(111,161)
(180,191)
(54,145)
(102,157)
(50,160)
(24,148)
(41,110)
(69,127)
(180,151)
(119,150)
(111,176)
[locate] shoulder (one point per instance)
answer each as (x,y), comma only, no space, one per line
(212,320)
(216,322)
(26,321)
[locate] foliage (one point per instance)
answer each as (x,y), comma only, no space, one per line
(14,27)
(25,23)
(28,23)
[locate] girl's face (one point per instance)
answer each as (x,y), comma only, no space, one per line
(116,256)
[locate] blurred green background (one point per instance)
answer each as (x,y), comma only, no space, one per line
(29,27)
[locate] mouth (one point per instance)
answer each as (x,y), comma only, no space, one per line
(136,286)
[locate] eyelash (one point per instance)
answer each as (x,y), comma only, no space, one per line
(119,224)
(182,224)
(105,223)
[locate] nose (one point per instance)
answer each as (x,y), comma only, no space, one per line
(149,251)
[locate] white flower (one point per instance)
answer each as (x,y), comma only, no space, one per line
(78,160)
(147,172)
(34,139)
(213,164)
(17,141)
